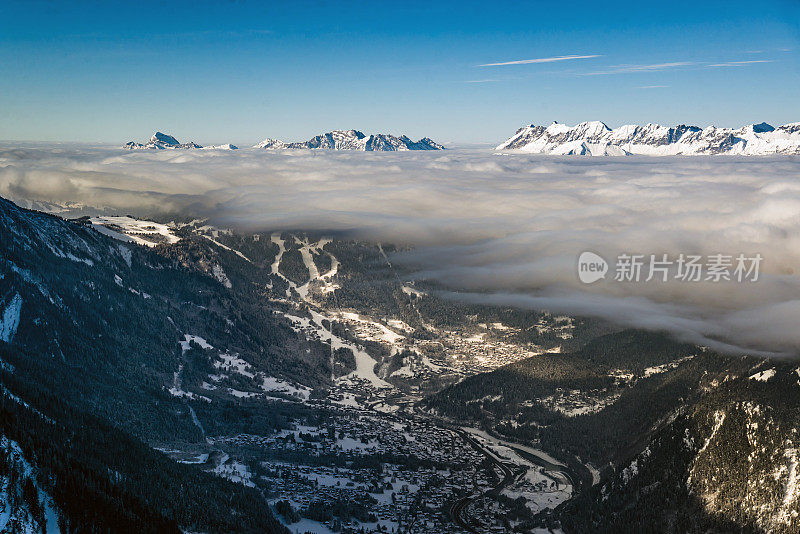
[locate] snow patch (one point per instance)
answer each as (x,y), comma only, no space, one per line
(130,230)
(9,321)
(763,376)
(270,383)
(221,277)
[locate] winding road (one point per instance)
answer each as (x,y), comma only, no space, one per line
(457,510)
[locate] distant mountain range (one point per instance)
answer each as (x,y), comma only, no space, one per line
(596,139)
(335,140)
(355,140)
(585,139)
(161,141)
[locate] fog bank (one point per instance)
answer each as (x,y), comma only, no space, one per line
(501,229)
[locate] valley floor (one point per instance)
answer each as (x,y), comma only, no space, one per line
(404,469)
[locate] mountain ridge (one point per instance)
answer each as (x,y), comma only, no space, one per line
(354,140)
(595,138)
(162,141)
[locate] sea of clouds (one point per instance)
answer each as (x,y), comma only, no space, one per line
(504,229)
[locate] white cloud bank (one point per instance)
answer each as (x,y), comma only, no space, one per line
(504,229)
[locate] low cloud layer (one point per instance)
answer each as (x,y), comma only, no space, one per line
(500,229)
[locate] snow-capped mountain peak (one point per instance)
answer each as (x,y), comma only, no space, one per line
(596,139)
(270,143)
(161,141)
(163,138)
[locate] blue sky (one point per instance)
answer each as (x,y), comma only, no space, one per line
(241,71)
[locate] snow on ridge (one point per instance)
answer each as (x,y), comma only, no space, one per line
(130,230)
(596,139)
(162,141)
(226,146)
(354,140)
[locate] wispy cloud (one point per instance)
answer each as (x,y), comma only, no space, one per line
(656,67)
(538,60)
(653,67)
(740,63)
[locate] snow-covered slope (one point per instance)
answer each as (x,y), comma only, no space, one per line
(24,506)
(596,139)
(161,141)
(355,140)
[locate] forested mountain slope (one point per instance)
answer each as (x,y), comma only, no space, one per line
(685,440)
(90,332)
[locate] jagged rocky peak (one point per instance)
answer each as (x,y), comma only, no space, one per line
(270,143)
(161,141)
(595,138)
(791,128)
(762,127)
(354,140)
(165,139)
